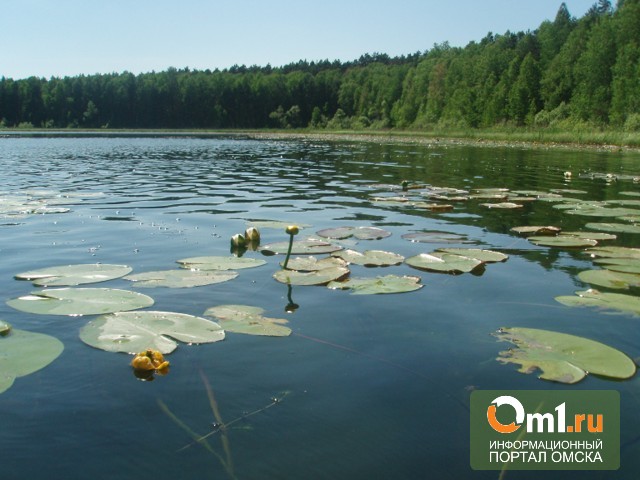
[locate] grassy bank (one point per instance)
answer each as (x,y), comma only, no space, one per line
(541,138)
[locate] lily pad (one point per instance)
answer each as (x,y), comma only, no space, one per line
(590,210)
(71,275)
(435,237)
(610,279)
(614,227)
(378,285)
(312,264)
(570,191)
(592,235)
(563,241)
(561,357)
(132,332)
(617,302)
(301,247)
(180,278)
(24,353)
(248,320)
(80,301)
(220,263)
(318,277)
(502,205)
(361,233)
(486,256)
(443,262)
(625,265)
(528,230)
(489,196)
(370,258)
(614,252)
(434,207)
(629,218)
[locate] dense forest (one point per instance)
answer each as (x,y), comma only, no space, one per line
(567,72)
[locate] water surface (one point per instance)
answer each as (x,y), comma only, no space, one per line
(378,385)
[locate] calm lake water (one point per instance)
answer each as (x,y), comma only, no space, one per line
(378,385)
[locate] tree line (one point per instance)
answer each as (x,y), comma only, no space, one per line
(567,72)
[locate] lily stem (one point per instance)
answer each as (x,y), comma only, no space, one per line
(286,260)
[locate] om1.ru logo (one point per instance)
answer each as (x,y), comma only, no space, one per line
(539,422)
(544,430)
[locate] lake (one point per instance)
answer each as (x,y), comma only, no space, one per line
(366,386)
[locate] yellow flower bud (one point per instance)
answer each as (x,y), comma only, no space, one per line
(292,230)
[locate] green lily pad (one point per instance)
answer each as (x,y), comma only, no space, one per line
(80,301)
(502,205)
(610,279)
(577,204)
(301,247)
(530,193)
(391,201)
(378,285)
(599,236)
(491,190)
(614,227)
(591,210)
(71,275)
(486,256)
(361,233)
(312,264)
(443,262)
(521,199)
(614,252)
(563,241)
(370,258)
(561,357)
(489,196)
(625,265)
(248,320)
(220,263)
(625,202)
(23,353)
(435,237)
(569,191)
(630,218)
(616,302)
(318,277)
(338,233)
(180,278)
(132,332)
(528,230)
(434,207)
(34,203)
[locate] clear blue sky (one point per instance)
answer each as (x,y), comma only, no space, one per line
(70,37)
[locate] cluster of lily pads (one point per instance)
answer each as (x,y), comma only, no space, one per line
(37,202)
(122,326)
(333,271)
(561,357)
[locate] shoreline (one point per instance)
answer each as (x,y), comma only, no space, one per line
(392,137)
